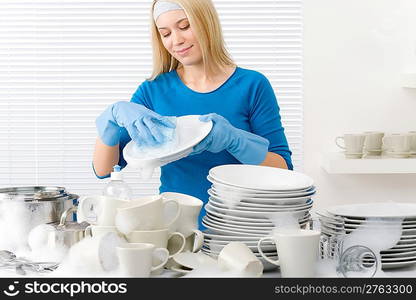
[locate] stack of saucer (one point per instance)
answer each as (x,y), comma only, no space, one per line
(247,202)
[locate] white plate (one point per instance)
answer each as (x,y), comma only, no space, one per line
(242,223)
(219,204)
(190,131)
(252,246)
(262,202)
(242,226)
(375,210)
(260,177)
(397,265)
(261,215)
(222,230)
(229,238)
(255,230)
(256,220)
(399,254)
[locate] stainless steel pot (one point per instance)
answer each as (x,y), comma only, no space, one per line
(67,233)
(45,204)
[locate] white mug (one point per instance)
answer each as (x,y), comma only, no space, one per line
(194,242)
(145,213)
(238,257)
(187,221)
(136,259)
(373,140)
(353,143)
(160,238)
(297,250)
(397,142)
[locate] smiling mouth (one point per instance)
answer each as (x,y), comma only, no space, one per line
(183,50)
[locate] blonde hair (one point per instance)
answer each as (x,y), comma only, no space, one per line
(205,24)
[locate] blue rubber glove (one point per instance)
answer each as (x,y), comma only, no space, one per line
(144,126)
(245,146)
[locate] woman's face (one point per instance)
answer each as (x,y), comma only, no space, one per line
(178,38)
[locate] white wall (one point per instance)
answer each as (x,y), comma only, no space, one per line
(354,52)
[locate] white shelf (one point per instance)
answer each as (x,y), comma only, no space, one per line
(408,80)
(336,163)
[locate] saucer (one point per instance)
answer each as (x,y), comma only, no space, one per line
(398,154)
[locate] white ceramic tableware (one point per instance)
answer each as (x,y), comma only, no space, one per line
(193,260)
(397,142)
(353,144)
(373,141)
(145,213)
(297,250)
(190,131)
(375,210)
(260,177)
(238,257)
(98,210)
(136,259)
(190,206)
(160,238)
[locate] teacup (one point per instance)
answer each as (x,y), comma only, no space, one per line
(187,221)
(353,144)
(297,249)
(96,230)
(146,213)
(397,142)
(160,238)
(373,141)
(237,256)
(136,259)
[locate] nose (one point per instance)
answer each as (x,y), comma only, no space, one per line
(177,38)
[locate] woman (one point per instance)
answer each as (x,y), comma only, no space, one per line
(194,74)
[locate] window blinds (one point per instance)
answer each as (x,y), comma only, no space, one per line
(63,61)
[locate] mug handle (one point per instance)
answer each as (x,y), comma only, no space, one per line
(198,240)
(267,238)
(183,242)
(165,254)
(178,211)
(338,138)
(88,231)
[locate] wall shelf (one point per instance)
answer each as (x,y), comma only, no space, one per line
(336,163)
(408,80)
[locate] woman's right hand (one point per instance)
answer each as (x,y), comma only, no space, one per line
(144,126)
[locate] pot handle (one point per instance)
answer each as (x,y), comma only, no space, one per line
(65,215)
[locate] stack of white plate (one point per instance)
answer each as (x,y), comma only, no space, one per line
(345,219)
(247,202)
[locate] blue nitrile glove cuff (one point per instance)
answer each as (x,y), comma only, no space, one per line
(248,147)
(107,127)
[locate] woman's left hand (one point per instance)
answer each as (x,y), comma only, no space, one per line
(245,146)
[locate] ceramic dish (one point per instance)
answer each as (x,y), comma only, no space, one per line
(216,203)
(260,177)
(190,131)
(222,188)
(375,210)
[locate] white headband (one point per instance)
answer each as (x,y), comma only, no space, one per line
(164,6)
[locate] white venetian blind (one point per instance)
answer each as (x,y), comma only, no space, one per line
(63,61)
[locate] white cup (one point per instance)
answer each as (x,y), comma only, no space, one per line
(194,242)
(160,238)
(98,210)
(297,250)
(353,144)
(187,221)
(146,213)
(136,259)
(397,142)
(373,140)
(237,256)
